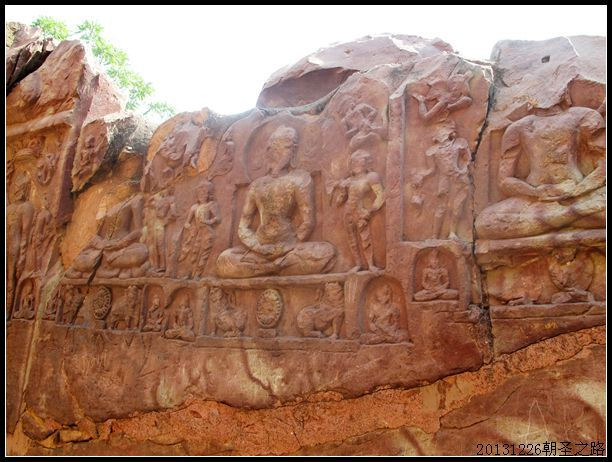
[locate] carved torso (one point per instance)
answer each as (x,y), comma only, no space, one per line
(276,200)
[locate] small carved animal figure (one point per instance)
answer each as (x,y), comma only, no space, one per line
(228,320)
(324,319)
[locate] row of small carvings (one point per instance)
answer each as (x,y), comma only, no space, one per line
(72,305)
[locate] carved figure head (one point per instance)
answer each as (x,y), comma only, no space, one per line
(360,162)
(383,294)
(281,150)
(433,260)
(564,254)
(155,301)
(204,191)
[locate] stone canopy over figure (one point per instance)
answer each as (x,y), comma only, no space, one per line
(275,246)
(556,193)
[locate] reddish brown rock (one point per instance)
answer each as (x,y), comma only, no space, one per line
(26,50)
(384,257)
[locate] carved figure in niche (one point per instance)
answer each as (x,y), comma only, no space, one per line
(116,247)
(41,238)
(229,320)
(198,233)
(45,168)
(325,318)
(444,96)
(556,193)
(435,281)
(26,310)
(125,313)
(53,306)
(275,246)
(155,316)
(181,323)
(164,212)
(449,157)
(572,273)
(19,218)
(72,304)
(384,319)
(361,126)
(354,191)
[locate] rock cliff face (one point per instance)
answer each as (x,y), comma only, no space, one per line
(398,251)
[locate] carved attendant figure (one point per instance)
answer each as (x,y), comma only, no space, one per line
(42,236)
(446,96)
(449,156)
(19,218)
(275,246)
(354,190)
(555,193)
(198,232)
(164,211)
(435,282)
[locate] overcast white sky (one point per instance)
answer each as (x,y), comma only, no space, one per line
(220,56)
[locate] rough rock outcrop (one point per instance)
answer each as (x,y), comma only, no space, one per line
(398,251)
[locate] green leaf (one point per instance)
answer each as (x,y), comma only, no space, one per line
(52,27)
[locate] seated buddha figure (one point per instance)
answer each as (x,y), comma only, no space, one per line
(556,193)
(276,246)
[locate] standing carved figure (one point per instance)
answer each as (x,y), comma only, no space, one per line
(449,157)
(383,317)
(198,232)
(41,239)
(435,282)
(164,211)
(354,191)
(275,246)
(19,218)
